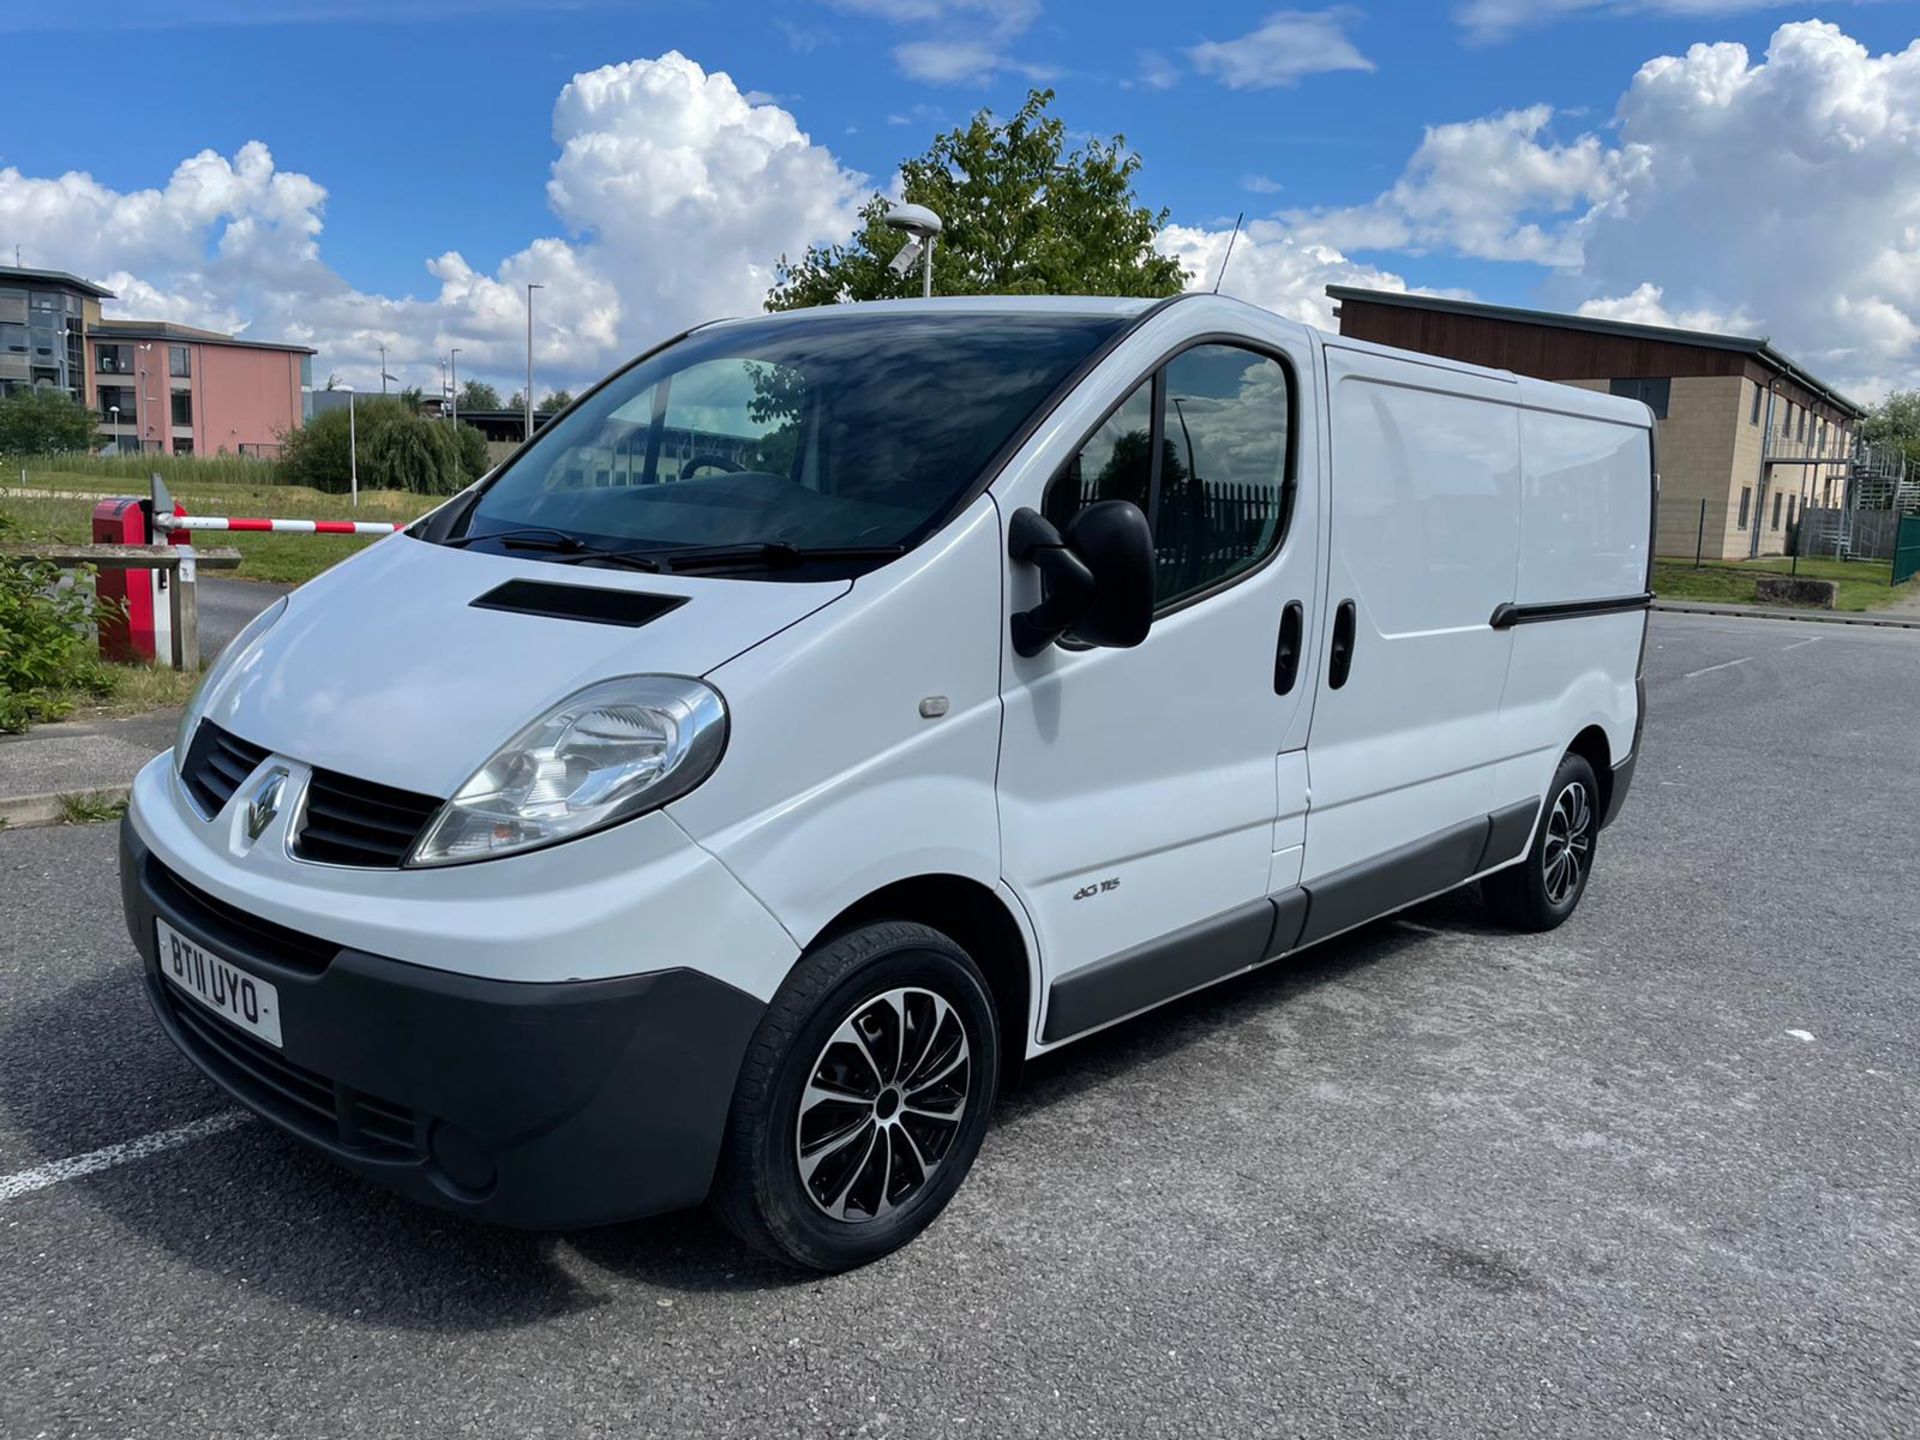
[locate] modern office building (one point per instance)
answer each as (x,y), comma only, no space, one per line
(155,385)
(44,319)
(1746,439)
(168,387)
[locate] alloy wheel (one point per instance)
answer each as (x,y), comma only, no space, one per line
(883,1104)
(1569,847)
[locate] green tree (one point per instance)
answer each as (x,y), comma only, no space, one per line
(1024,215)
(44,422)
(555,400)
(1894,421)
(479,395)
(400,449)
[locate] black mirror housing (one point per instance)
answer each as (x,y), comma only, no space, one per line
(1099,577)
(1114,541)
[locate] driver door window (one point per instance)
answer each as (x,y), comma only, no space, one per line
(1202,448)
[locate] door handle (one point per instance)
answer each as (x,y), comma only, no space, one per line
(1286,660)
(1340,661)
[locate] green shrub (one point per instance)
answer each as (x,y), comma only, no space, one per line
(47,649)
(44,422)
(400,449)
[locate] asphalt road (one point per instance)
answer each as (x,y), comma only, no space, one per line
(226,605)
(1653,1174)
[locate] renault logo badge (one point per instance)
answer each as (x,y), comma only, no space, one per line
(265,804)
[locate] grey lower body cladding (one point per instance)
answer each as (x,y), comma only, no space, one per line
(1264,930)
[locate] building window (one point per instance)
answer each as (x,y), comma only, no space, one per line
(1753,417)
(1803,425)
(113,359)
(1790,500)
(178,364)
(1777,498)
(1654,394)
(116,397)
(1786,418)
(1746,504)
(1215,485)
(183,407)
(182,445)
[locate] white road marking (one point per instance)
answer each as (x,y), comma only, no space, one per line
(1723,665)
(1798,643)
(74,1167)
(1804,1036)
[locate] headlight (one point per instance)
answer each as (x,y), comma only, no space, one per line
(611,752)
(230,657)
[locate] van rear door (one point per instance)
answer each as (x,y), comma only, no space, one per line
(1424,544)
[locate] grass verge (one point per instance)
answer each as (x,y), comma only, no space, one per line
(87,809)
(67,518)
(1863,584)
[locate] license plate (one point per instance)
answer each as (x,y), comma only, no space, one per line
(224,988)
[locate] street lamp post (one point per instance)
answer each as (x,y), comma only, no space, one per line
(114,411)
(532,285)
(353,450)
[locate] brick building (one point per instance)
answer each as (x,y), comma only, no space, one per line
(1746,438)
(155,385)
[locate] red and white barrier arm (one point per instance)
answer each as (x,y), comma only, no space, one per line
(278,527)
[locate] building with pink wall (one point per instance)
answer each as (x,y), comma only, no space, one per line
(159,386)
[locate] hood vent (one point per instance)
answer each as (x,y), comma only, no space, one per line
(579,602)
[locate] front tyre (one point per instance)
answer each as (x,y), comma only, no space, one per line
(1545,888)
(863,1098)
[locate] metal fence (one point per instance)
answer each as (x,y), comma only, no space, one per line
(1906,549)
(1204,529)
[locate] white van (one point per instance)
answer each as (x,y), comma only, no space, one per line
(832,710)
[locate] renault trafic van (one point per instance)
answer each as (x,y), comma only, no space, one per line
(832,710)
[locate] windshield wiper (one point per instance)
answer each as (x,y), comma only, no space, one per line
(770,554)
(565,548)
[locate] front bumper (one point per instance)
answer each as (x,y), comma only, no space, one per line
(544,1105)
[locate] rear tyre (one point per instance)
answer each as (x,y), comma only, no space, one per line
(863,1098)
(1545,888)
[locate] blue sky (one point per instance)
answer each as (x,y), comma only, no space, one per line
(431,128)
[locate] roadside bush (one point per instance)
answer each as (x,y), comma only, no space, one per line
(44,422)
(47,649)
(400,449)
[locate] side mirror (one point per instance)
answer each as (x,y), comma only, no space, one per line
(1099,577)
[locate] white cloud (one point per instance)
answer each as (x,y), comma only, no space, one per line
(1283,49)
(1156,72)
(1490,20)
(1646,305)
(960,62)
(677,194)
(1494,188)
(1271,267)
(1777,197)
(1261,184)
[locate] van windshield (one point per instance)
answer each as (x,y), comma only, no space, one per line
(837,433)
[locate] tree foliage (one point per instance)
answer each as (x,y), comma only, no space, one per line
(555,401)
(1024,215)
(400,449)
(44,422)
(479,395)
(1894,421)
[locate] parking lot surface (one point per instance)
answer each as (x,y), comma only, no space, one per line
(1652,1174)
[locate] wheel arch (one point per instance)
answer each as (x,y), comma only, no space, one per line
(981,922)
(1591,745)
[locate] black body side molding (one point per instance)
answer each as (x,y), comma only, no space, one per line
(1145,975)
(1507,615)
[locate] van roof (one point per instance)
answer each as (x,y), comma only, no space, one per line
(1119,306)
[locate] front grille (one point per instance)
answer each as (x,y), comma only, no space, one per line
(231,929)
(217,761)
(299,1098)
(356,822)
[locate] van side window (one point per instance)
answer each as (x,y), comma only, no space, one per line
(1216,488)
